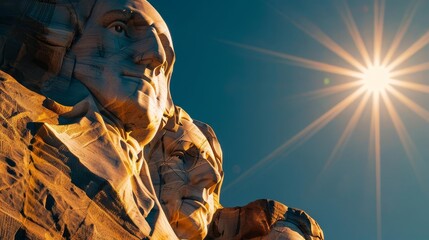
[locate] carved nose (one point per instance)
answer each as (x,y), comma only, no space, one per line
(204,177)
(150,51)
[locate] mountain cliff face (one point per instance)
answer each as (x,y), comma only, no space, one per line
(89,143)
(46,191)
(70,173)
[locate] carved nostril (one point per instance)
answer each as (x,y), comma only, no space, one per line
(151,59)
(153,54)
(158,59)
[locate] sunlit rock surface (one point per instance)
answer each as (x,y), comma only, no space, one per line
(55,185)
(263,219)
(185,162)
(91,145)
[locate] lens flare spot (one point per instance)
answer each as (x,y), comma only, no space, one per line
(326,81)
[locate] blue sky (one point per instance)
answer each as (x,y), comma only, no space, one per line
(256,102)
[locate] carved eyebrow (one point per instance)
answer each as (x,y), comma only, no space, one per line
(125,15)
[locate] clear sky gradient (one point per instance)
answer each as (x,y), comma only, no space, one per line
(256,102)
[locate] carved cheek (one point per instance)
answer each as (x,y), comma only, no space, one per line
(204,175)
(171,202)
(108,45)
(171,196)
(170,174)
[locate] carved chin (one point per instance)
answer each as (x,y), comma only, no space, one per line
(140,114)
(143,121)
(192,222)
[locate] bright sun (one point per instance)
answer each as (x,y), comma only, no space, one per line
(374,74)
(375,79)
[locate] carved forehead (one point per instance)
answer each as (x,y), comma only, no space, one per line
(140,11)
(187,132)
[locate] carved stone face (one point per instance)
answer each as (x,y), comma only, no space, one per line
(124,57)
(187,173)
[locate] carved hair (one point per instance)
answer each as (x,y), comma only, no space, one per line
(35,36)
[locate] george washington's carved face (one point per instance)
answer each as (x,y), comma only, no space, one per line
(124,57)
(187,173)
(120,50)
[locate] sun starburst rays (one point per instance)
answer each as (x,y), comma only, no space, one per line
(331,90)
(376,82)
(351,125)
(408,17)
(375,126)
(316,33)
(378,30)
(348,19)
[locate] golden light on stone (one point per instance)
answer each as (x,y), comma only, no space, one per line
(96,149)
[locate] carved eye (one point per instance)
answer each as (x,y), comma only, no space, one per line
(186,154)
(118,27)
(179,154)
